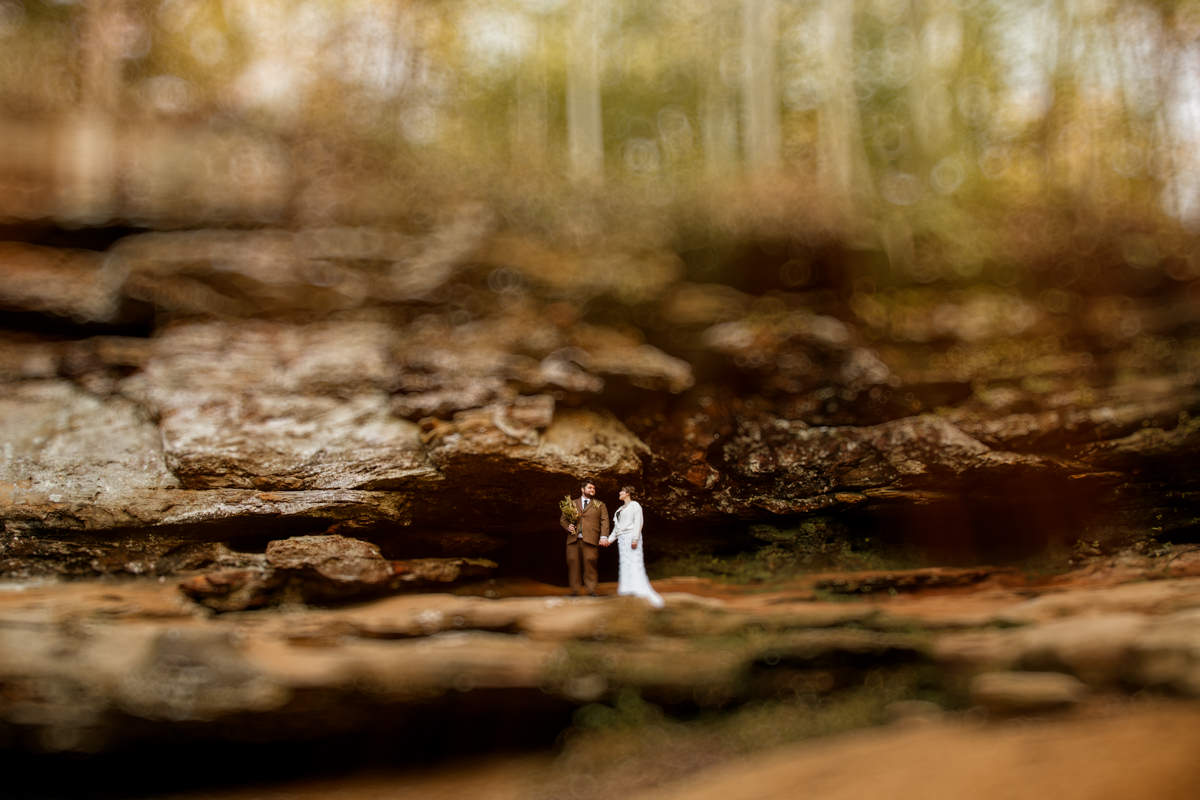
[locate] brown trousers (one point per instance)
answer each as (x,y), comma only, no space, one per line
(582,556)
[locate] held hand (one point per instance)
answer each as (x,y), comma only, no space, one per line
(604,541)
(633,545)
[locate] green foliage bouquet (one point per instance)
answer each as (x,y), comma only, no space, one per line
(569,511)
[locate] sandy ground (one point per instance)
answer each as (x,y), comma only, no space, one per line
(1111,751)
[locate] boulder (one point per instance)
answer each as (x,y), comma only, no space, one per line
(80,285)
(1093,648)
(187,675)
(234,589)
(576,442)
(1026,692)
(336,560)
(432,573)
(65,444)
(318,270)
(1166,655)
(1077,421)
(763,463)
(277,406)
(325,569)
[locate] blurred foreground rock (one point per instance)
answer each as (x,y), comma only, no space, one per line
(1142,753)
(325,569)
(1026,692)
(144,659)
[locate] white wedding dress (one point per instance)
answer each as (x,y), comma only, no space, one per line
(627,529)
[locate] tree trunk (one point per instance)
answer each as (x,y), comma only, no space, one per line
(530,129)
(760,110)
(842,170)
(585,140)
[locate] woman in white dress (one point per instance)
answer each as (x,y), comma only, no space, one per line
(627,533)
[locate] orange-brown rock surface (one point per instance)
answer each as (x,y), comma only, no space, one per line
(253,485)
(112,668)
(234,387)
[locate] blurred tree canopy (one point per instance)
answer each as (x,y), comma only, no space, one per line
(954,135)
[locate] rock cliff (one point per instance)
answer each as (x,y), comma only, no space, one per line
(436,392)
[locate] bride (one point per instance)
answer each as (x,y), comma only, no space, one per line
(627,532)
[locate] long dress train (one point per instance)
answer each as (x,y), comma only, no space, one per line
(632,580)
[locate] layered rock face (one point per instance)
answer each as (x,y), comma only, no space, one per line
(436,393)
(290,420)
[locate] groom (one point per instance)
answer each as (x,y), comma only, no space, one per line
(583,537)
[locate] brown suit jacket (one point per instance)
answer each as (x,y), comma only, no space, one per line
(593,522)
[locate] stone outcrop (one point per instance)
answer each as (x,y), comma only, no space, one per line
(1026,692)
(79,285)
(282,407)
(317,270)
(322,570)
(400,386)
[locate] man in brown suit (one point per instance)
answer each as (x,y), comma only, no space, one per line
(583,537)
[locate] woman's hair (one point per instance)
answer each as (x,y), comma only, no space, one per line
(629,490)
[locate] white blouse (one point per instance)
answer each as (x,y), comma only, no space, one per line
(627,522)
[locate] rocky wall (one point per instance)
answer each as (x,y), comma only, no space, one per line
(437,392)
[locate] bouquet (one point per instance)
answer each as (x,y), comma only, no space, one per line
(569,511)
